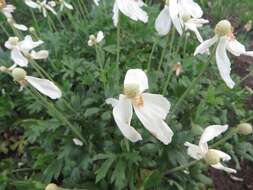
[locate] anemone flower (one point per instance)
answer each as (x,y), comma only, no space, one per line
(183,14)
(43,6)
(212,157)
(22,51)
(93,40)
(130,8)
(226,42)
(44,86)
(151,109)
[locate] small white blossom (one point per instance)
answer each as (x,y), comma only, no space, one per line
(211,156)
(130,8)
(22,51)
(77,142)
(226,42)
(43,6)
(93,40)
(63,4)
(44,86)
(96,2)
(151,109)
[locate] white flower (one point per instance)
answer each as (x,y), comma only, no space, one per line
(43,6)
(93,40)
(130,8)
(13,23)
(44,86)
(226,41)
(151,109)
(65,4)
(96,2)
(77,142)
(21,51)
(184,14)
(211,156)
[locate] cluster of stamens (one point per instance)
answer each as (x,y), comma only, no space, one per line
(132,91)
(2,4)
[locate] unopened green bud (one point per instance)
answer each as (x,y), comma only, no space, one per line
(196,130)
(223,28)
(32,29)
(52,186)
(212,157)
(18,74)
(245,129)
(131,90)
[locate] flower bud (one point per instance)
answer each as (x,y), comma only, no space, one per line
(212,157)
(245,129)
(223,28)
(131,90)
(52,186)
(196,130)
(18,74)
(32,29)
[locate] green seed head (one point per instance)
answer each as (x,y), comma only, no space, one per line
(196,130)
(212,158)
(223,28)
(52,186)
(131,90)
(245,129)
(18,74)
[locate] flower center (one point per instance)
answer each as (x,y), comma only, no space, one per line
(212,157)
(2,4)
(186,17)
(131,90)
(224,28)
(13,41)
(18,74)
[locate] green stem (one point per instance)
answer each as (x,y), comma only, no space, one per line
(172,39)
(151,55)
(118,43)
(163,53)
(181,167)
(167,82)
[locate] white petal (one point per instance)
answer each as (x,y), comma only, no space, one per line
(223,63)
(235,47)
(203,47)
(8,10)
(18,58)
(219,166)
(31,4)
(132,9)
(174,14)
(122,113)
(77,142)
(20,27)
(153,120)
(211,132)
(112,101)
(100,36)
(42,54)
(115,16)
(163,21)
(193,27)
(249,53)
(69,6)
(137,76)
(96,2)
(191,8)
(45,86)
(194,151)
(28,43)
(222,155)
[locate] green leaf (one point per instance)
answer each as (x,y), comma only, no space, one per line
(103,170)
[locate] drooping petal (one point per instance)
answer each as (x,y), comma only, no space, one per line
(27,44)
(235,47)
(163,21)
(219,166)
(249,53)
(191,8)
(20,27)
(223,63)
(68,6)
(193,27)
(42,54)
(31,4)
(115,16)
(211,132)
(132,9)
(122,113)
(203,47)
(137,76)
(100,36)
(222,155)
(174,14)
(18,58)
(45,87)
(152,119)
(194,151)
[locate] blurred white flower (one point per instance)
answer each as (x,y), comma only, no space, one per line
(96,2)
(63,4)
(151,109)
(130,8)
(184,14)
(93,40)
(77,142)
(226,41)
(13,23)
(43,6)
(21,51)
(211,156)
(44,86)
